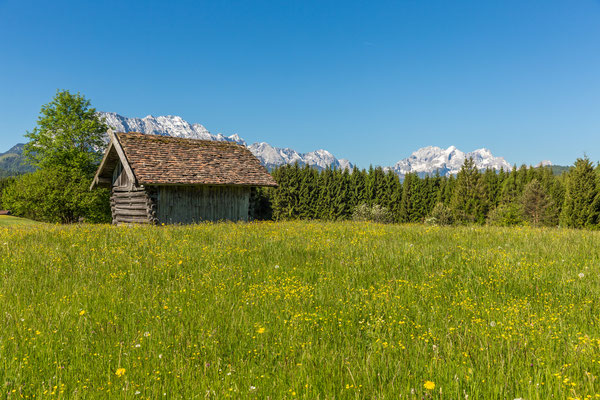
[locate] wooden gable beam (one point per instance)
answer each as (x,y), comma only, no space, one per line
(97,179)
(123,157)
(113,145)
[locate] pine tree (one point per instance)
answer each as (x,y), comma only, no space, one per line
(448,190)
(325,200)
(370,186)
(510,191)
(308,193)
(537,205)
(581,204)
(467,200)
(341,198)
(396,195)
(358,187)
(380,194)
(411,204)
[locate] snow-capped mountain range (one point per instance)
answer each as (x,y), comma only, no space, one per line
(424,161)
(169,125)
(447,162)
(268,155)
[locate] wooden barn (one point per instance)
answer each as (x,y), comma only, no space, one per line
(163,179)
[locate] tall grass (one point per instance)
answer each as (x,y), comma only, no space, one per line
(299,310)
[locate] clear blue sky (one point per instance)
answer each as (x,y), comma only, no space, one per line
(370,81)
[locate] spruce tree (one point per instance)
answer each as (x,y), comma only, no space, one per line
(411,204)
(358,187)
(581,204)
(308,193)
(467,199)
(341,198)
(396,195)
(510,191)
(537,205)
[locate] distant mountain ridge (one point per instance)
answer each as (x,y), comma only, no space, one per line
(425,161)
(13,162)
(270,156)
(430,160)
(168,125)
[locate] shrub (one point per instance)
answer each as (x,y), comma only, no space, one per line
(506,215)
(440,215)
(57,195)
(375,213)
(4,183)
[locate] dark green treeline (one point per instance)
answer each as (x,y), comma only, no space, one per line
(524,195)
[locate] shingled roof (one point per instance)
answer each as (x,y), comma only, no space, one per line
(166,160)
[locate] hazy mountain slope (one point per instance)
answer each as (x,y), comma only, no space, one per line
(13,162)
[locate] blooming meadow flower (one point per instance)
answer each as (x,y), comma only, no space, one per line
(429,385)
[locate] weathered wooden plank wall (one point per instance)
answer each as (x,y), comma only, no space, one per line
(190,204)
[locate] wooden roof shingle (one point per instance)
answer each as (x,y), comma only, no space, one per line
(167,160)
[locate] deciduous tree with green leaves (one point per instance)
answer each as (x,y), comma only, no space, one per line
(66,146)
(69,133)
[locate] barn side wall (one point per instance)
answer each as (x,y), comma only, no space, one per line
(132,205)
(192,204)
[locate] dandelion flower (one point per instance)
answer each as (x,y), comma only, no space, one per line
(81,312)
(429,385)
(120,372)
(581,275)
(260,330)
(493,324)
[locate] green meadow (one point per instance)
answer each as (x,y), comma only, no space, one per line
(9,220)
(299,310)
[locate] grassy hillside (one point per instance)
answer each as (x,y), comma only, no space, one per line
(299,310)
(13,162)
(10,221)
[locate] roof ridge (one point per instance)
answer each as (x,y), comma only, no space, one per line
(174,138)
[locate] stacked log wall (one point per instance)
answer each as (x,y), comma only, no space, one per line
(132,205)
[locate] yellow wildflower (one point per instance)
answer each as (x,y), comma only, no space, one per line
(120,372)
(261,330)
(429,385)
(81,312)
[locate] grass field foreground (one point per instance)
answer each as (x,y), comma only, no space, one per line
(299,310)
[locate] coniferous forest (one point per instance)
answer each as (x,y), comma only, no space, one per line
(523,196)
